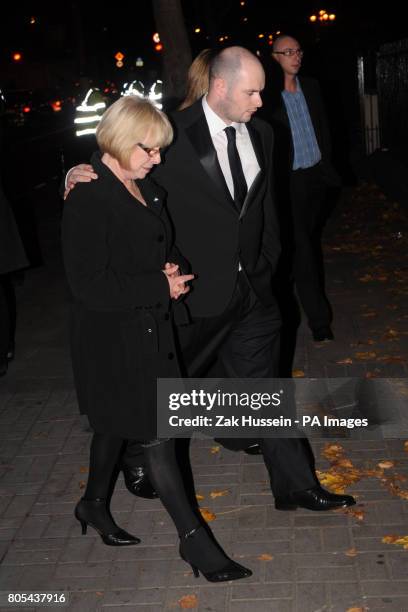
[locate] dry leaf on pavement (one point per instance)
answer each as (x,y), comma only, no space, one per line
(188,602)
(265,557)
(207,515)
(386,465)
(215,494)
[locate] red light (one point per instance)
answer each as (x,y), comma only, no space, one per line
(17,57)
(158,47)
(56,106)
(26,109)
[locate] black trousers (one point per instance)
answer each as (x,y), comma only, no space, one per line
(244,342)
(308,194)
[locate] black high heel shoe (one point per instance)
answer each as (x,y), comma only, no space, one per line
(229,571)
(88,511)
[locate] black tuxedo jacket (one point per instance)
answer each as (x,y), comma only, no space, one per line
(210,232)
(275,111)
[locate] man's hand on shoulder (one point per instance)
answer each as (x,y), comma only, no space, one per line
(83,173)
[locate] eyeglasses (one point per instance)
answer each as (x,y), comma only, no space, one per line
(290,52)
(151,151)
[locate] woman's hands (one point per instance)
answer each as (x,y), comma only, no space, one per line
(177,281)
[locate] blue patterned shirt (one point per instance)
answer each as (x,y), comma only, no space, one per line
(306,149)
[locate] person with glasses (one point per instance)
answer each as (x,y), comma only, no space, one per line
(123,271)
(304,174)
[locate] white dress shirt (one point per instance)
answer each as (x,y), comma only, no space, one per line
(246,151)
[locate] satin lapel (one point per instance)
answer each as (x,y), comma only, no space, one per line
(257,145)
(200,138)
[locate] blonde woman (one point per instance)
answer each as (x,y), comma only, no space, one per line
(124,274)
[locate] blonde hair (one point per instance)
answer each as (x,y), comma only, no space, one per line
(198,78)
(128,121)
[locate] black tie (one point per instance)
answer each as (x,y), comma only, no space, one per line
(240,186)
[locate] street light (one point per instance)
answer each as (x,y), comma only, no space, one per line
(323,16)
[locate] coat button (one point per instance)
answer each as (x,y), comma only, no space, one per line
(170,355)
(166,316)
(160,238)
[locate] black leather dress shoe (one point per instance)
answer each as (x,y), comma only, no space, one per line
(316,498)
(254,449)
(138,482)
(322,334)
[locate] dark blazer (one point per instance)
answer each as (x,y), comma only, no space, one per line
(12,254)
(210,231)
(114,249)
(275,111)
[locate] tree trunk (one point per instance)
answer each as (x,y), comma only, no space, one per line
(176,52)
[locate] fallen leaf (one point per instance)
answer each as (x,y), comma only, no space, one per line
(82,484)
(386,465)
(215,494)
(333,451)
(298,373)
(346,463)
(351,552)
(83,469)
(365,355)
(392,359)
(366,278)
(265,557)
(188,602)
(199,497)
(214,450)
(397,540)
(207,515)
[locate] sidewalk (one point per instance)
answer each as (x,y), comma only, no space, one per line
(301,561)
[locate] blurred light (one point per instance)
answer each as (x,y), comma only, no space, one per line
(85,108)
(245,19)
(135,88)
(85,131)
(139,62)
(17,57)
(322,12)
(313,18)
(261,35)
(221,39)
(278,32)
(33,20)
(119,56)
(56,106)
(332,17)
(325,17)
(156,93)
(158,47)
(119,64)
(197,30)
(270,36)
(226,37)
(26,109)
(242,3)
(270,42)
(156,37)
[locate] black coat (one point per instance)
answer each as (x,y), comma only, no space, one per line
(12,254)
(275,111)
(122,339)
(209,230)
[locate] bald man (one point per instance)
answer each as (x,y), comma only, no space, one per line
(218,177)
